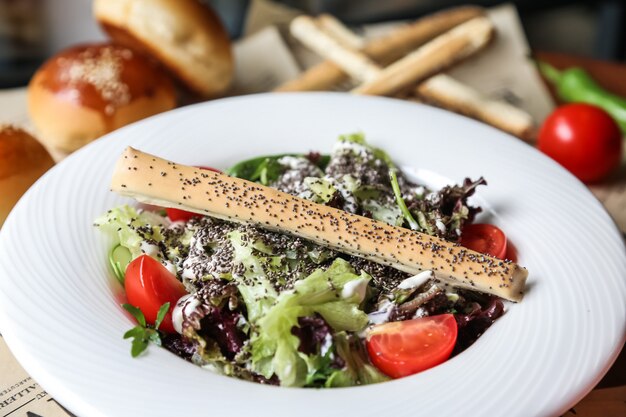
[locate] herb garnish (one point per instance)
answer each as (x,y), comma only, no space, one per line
(323,371)
(143,333)
(400,201)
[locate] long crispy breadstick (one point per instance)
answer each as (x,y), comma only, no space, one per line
(441,89)
(438,54)
(157,181)
(356,64)
(334,28)
(386,49)
(450,94)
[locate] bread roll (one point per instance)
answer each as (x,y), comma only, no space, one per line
(86,91)
(156,181)
(22,161)
(184,35)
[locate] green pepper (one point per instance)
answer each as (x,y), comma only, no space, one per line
(266,168)
(576,85)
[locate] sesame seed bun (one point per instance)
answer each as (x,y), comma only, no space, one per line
(22,161)
(156,181)
(184,35)
(86,91)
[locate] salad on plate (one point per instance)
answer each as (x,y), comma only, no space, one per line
(306,270)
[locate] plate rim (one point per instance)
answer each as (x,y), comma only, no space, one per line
(41,374)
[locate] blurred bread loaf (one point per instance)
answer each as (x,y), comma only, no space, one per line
(86,91)
(184,35)
(22,161)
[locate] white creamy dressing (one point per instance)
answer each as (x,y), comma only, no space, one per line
(326,344)
(149,249)
(352,146)
(382,314)
(433,197)
(386,307)
(355,287)
(176,224)
(440,226)
(297,168)
(187,273)
(196,255)
(170,267)
(192,260)
(294,162)
(416,281)
(186,305)
(420,312)
(419,190)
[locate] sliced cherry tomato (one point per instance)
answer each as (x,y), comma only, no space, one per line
(177,215)
(485,238)
(407,347)
(149,285)
(584,139)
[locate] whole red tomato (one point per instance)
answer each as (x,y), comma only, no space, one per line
(584,139)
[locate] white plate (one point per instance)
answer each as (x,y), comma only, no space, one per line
(61,317)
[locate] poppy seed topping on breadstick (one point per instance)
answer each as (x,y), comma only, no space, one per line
(157,181)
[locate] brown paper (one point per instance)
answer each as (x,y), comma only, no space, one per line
(257,70)
(510,77)
(20,395)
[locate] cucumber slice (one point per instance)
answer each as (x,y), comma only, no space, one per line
(119,258)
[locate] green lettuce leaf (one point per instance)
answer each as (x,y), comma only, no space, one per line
(400,201)
(136,232)
(321,188)
(254,286)
(335,294)
(359,139)
(358,370)
(131,227)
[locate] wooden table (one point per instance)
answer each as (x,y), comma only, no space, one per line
(610,399)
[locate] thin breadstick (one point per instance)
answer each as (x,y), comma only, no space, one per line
(438,54)
(385,49)
(356,64)
(451,94)
(335,29)
(153,180)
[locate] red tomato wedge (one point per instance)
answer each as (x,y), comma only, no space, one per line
(407,347)
(177,215)
(149,285)
(485,238)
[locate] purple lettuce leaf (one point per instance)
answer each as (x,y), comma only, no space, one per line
(473,323)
